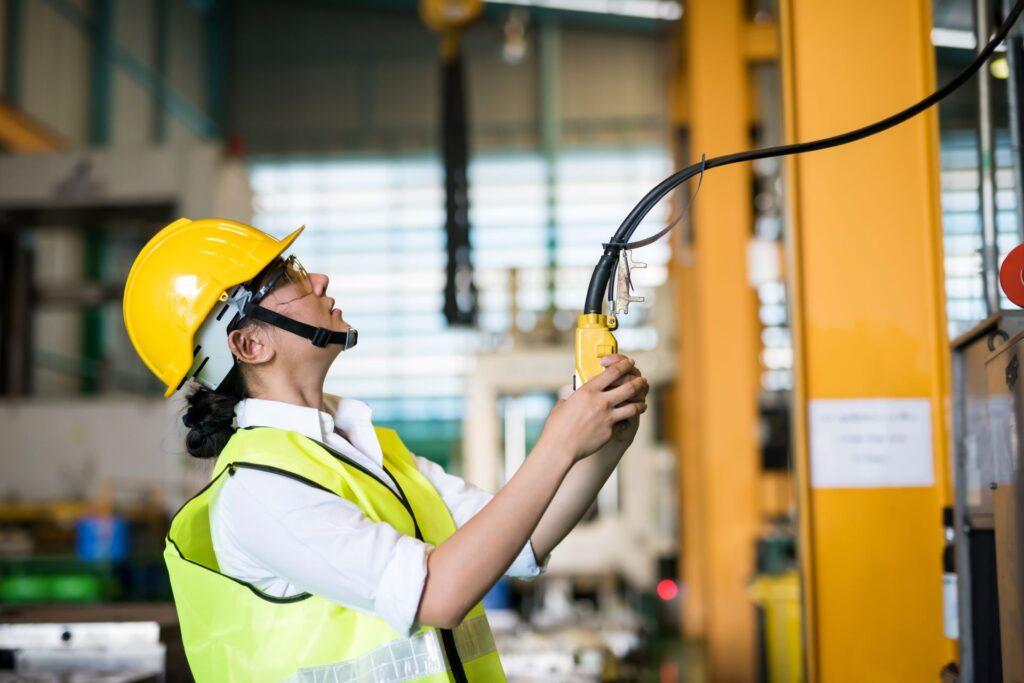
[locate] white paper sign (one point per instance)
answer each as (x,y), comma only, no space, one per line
(868,443)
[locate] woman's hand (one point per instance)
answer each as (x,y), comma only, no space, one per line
(624,432)
(584,422)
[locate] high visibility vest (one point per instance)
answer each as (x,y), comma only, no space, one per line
(232,631)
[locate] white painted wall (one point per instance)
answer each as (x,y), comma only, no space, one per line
(61,449)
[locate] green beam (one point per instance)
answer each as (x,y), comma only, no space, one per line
(101,72)
(14,19)
(161,52)
(216,36)
(159,88)
(72,14)
(101,91)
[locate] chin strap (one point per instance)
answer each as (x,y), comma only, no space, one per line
(317,336)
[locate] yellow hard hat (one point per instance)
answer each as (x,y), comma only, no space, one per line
(178,278)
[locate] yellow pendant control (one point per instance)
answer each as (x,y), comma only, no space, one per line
(594,340)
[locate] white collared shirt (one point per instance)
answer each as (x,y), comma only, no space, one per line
(286,537)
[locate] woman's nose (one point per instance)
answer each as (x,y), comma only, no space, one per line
(319,282)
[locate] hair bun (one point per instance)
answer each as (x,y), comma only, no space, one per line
(210,417)
(191,418)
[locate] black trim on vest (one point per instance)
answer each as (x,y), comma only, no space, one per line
(276,470)
(256,591)
(399,494)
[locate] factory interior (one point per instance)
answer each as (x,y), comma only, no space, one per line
(826,485)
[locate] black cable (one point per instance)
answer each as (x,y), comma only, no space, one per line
(602,272)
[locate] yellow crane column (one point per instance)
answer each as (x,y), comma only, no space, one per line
(870,340)
(718,338)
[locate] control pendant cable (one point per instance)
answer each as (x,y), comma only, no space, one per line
(601,277)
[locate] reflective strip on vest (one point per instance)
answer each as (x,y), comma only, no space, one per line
(404,659)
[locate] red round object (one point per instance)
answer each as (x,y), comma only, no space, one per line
(1011,275)
(667,589)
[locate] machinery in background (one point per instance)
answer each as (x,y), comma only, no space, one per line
(83,552)
(128,652)
(983,585)
(988,424)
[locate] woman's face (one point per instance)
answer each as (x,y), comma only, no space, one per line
(313,307)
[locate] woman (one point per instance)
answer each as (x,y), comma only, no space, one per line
(322,549)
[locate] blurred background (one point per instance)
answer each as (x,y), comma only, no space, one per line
(724,548)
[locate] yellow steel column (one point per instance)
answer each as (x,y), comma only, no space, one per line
(686,433)
(718,369)
(869,323)
(684,427)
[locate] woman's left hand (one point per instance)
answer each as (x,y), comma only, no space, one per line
(624,432)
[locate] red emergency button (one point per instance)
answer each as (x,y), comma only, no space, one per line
(1011,275)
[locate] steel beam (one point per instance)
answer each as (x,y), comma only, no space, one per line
(14,20)
(20,134)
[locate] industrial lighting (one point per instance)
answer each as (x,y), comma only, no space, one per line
(666,10)
(513,51)
(957,39)
(951,37)
(1000,68)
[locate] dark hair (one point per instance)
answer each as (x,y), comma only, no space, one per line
(211,414)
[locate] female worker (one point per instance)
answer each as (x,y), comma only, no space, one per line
(322,549)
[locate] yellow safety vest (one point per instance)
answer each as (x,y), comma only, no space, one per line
(234,632)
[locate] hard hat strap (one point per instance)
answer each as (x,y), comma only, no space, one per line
(317,336)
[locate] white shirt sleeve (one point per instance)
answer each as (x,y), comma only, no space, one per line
(266,527)
(465,500)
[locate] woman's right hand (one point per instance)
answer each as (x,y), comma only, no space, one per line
(583,422)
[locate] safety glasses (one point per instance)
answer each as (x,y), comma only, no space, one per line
(281,273)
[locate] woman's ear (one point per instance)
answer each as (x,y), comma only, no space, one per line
(251,345)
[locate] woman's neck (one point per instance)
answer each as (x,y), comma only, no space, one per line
(308,393)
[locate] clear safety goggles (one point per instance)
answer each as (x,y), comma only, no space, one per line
(285,271)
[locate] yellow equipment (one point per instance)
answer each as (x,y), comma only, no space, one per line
(779,597)
(178,278)
(449,18)
(594,341)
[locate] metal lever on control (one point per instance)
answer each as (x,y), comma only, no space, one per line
(624,282)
